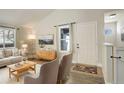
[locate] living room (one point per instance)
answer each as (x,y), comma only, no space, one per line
(34,37)
(61,46)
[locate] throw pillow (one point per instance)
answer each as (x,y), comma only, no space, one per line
(16,52)
(1,54)
(8,52)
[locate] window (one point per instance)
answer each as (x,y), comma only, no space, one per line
(64,35)
(7,37)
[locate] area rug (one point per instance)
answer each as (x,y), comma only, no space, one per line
(85,68)
(86,74)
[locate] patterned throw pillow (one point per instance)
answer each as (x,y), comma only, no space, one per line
(16,52)
(8,52)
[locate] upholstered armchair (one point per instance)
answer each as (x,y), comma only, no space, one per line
(64,68)
(48,74)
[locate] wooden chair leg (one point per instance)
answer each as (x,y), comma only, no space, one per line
(61,82)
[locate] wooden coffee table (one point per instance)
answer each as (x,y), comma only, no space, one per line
(17,69)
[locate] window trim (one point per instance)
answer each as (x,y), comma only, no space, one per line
(6,28)
(59,29)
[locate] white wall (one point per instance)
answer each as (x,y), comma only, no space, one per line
(107,64)
(120,28)
(46,26)
(117,21)
(22,35)
(111,38)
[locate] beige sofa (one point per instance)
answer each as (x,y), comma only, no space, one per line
(9,56)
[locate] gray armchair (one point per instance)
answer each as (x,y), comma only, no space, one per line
(64,68)
(48,74)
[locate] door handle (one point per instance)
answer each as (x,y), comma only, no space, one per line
(119,57)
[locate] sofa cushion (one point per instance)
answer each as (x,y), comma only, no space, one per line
(4,61)
(8,52)
(15,59)
(16,52)
(1,54)
(10,60)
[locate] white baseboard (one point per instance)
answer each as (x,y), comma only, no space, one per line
(99,65)
(108,82)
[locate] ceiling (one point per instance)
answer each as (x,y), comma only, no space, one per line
(25,17)
(119,14)
(22,17)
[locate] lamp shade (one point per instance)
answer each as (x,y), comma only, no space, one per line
(24,45)
(31,36)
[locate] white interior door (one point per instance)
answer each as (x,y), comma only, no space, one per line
(87,39)
(120,66)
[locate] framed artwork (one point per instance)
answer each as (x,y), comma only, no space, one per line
(46,40)
(108,32)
